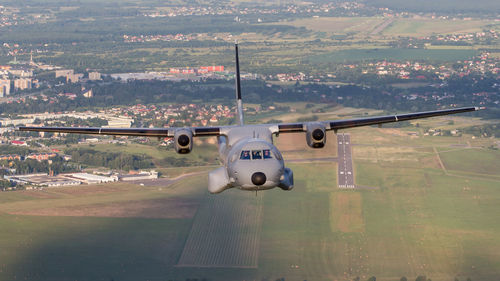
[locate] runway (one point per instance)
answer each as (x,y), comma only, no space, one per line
(345,171)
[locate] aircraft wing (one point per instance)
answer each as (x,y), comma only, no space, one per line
(146,132)
(282,128)
(351,123)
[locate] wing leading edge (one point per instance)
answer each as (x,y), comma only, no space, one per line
(282,128)
(145,132)
(351,123)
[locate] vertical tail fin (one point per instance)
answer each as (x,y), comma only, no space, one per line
(238,86)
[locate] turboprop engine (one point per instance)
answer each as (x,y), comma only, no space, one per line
(316,135)
(183,139)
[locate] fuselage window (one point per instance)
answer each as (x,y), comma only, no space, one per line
(256,154)
(245,155)
(267,154)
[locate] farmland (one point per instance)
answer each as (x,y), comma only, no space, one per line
(421,220)
(225,232)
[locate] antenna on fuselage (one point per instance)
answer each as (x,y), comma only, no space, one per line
(239,105)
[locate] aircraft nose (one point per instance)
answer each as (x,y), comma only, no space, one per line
(259,178)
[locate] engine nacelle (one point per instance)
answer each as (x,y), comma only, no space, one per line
(316,135)
(183,139)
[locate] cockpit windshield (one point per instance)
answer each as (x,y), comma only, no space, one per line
(267,154)
(245,155)
(256,154)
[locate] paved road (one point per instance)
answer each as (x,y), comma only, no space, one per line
(345,172)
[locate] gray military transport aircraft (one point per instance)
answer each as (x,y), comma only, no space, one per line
(249,158)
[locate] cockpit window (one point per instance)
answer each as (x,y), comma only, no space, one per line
(256,154)
(267,154)
(245,155)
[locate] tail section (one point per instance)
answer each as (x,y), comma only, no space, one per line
(238,87)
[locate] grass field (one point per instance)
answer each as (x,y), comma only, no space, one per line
(393,54)
(426,27)
(421,220)
(336,25)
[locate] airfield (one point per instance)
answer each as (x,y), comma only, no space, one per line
(418,205)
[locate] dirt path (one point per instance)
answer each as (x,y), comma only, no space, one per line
(439,160)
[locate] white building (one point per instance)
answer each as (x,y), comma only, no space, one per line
(42,179)
(74,78)
(91,179)
(4,87)
(21,72)
(64,72)
(22,84)
(94,76)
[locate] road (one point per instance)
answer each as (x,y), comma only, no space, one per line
(345,171)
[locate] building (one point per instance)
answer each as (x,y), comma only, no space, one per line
(88,94)
(187,71)
(4,87)
(16,122)
(143,175)
(41,156)
(21,73)
(91,179)
(42,180)
(213,68)
(94,76)
(74,78)
(22,84)
(19,143)
(10,157)
(119,122)
(64,72)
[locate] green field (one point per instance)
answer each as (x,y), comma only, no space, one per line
(393,54)
(419,219)
(336,25)
(426,27)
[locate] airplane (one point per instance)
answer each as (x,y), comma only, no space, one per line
(249,159)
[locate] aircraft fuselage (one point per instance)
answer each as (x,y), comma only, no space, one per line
(250,161)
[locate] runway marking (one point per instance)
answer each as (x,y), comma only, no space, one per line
(345,168)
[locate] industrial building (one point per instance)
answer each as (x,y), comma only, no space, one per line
(42,179)
(143,175)
(91,179)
